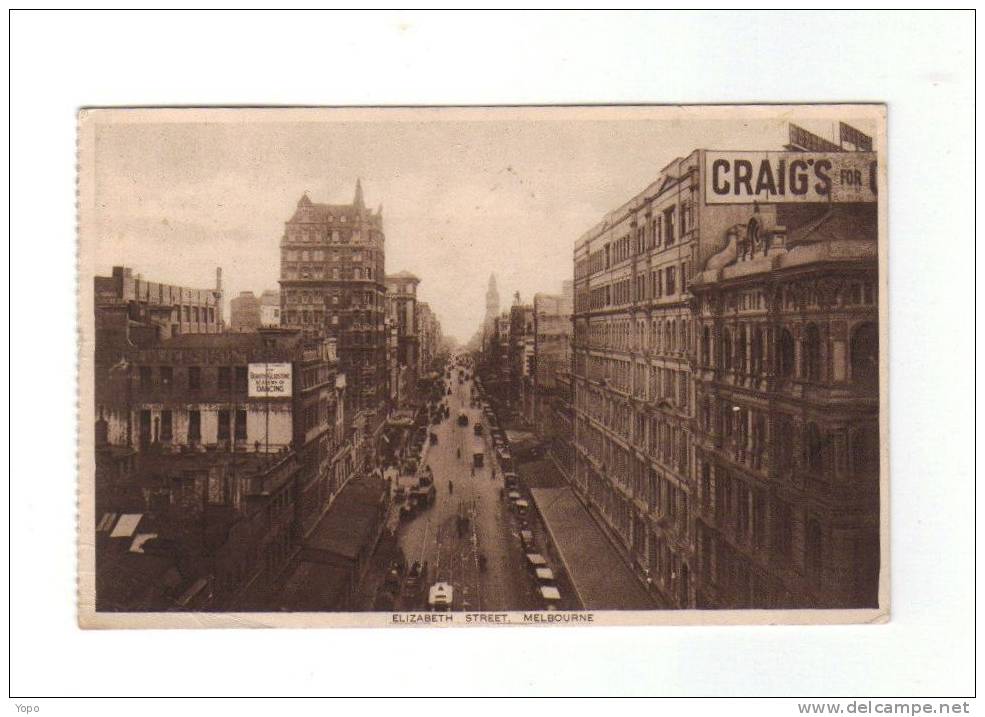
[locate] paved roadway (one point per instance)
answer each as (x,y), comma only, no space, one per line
(432,535)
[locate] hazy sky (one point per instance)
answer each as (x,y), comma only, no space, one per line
(460,198)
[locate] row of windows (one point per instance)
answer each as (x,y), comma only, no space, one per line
(341,298)
(319,271)
(227,377)
(656,232)
(348,321)
(193,314)
(645,286)
(745,349)
(161,429)
(322,233)
(333,255)
(663,440)
(662,336)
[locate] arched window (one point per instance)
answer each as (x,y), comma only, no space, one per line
(706,346)
(757,350)
(864,352)
(726,349)
(814,448)
(785,354)
(811,359)
(785,443)
(864,448)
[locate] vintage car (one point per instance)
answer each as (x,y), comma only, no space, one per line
(423,496)
(441,597)
(551,596)
(527,540)
(536,560)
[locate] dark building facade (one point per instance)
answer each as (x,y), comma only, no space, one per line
(713,343)
(787,427)
(244,312)
(215,455)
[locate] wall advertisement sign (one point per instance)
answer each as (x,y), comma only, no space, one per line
(782,177)
(269,380)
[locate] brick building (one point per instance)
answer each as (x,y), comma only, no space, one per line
(332,284)
(228,447)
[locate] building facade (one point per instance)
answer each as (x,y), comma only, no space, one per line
(229,445)
(332,284)
(656,426)
(270,308)
(787,427)
(244,312)
(521,360)
(402,308)
(431,339)
(126,301)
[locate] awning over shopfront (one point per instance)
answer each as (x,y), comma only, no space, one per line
(600,578)
(351,524)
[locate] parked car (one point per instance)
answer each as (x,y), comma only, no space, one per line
(527,541)
(550,596)
(441,597)
(536,560)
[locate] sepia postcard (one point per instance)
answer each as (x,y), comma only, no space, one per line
(483,366)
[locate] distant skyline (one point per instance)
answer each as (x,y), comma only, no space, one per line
(464,193)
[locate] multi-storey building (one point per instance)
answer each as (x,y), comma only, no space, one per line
(492,304)
(430,338)
(494,364)
(248,313)
(402,308)
(332,284)
(244,312)
(787,426)
(552,338)
(632,386)
(124,297)
(270,308)
(521,359)
(637,432)
(552,372)
(230,445)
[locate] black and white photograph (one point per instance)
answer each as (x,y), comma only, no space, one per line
(485,366)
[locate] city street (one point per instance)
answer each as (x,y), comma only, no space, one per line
(432,535)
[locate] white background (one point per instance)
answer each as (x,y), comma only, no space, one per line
(921,65)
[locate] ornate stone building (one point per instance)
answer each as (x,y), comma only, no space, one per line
(787,426)
(332,284)
(680,434)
